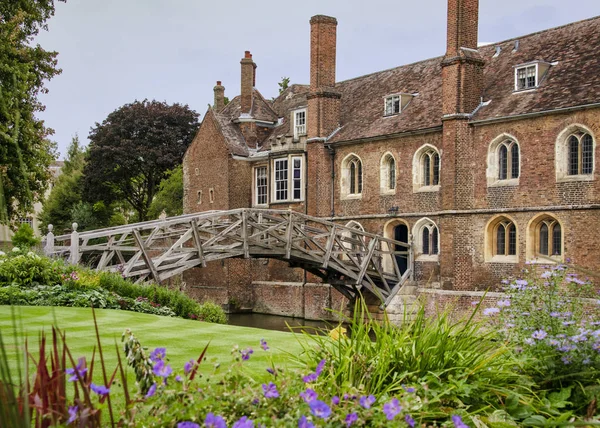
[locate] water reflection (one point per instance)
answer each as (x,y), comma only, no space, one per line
(278,323)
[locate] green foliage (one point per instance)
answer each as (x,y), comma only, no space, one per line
(169,196)
(211,312)
(552,315)
(459,362)
(284,84)
(25,151)
(24,238)
(133,148)
(58,207)
(28,269)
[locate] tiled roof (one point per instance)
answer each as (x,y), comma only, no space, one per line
(233,136)
(573,81)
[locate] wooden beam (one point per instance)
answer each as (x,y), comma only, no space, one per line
(329,246)
(198,242)
(145,255)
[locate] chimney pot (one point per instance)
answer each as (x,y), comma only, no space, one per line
(247,54)
(218,83)
(219,100)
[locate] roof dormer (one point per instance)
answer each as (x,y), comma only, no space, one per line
(529,75)
(395,103)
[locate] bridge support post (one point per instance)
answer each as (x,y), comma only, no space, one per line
(74,258)
(49,247)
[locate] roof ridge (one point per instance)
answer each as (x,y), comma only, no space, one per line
(265,101)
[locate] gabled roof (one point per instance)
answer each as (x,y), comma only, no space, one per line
(261,108)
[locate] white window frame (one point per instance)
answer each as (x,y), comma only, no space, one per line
(346,178)
(417,233)
(393,101)
(418,173)
(290,180)
(493,162)
(526,67)
(256,186)
(384,174)
(562,154)
(299,128)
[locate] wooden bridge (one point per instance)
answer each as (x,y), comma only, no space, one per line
(349,259)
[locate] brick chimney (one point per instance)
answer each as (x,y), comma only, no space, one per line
(462,72)
(323,99)
(248,82)
(219,91)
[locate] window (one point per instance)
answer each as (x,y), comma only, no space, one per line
(428,239)
(260,186)
(394,104)
(504,161)
(426,169)
(387,174)
(352,179)
(575,148)
(199,197)
(26,220)
(501,243)
(529,76)
(211,195)
(299,123)
(545,238)
(288,179)
(353,242)
(581,154)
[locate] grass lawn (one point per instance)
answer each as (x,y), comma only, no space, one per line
(184,339)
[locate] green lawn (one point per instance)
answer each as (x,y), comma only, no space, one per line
(184,339)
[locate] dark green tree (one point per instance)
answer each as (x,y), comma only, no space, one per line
(25,151)
(132,150)
(284,84)
(169,196)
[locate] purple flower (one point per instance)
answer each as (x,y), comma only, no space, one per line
(409,389)
(367,401)
(391,409)
(244,422)
(319,368)
(263,345)
(246,354)
(178,378)
(158,354)
(547,274)
(309,395)
(270,390)
(162,370)
(409,421)
(539,334)
(520,283)
(270,370)
(72,414)
(214,421)
(310,378)
(99,389)
(319,409)
(151,391)
(529,341)
(187,367)
(351,418)
(187,424)
(458,423)
(503,303)
(566,359)
(490,311)
(304,423)
(79,368)
(335,400)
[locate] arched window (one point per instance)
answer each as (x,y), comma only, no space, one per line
(352,176)
(581,154)
(545,238)
(575,148)
(428,239)
(387,173)
(504,163)
(354,242)
(426,169)
(501,240)
(508,160)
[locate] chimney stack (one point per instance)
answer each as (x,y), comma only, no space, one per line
(248,82)
(323,99)
(219,91)
(463,20)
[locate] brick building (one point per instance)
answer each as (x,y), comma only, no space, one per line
(483,159)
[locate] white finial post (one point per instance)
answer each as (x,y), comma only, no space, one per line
(74,259)
(49,248)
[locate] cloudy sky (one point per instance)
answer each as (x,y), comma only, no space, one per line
(116,51)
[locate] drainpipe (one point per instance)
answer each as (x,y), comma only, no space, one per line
(332,156)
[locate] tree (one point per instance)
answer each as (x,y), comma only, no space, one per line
(25,151)
(134,147)
(67,191)
(284,84)
(169,197)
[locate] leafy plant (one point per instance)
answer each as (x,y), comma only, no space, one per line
(24,238)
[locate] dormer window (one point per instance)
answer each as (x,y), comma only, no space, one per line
(394,104)
(529,76)
(299,123)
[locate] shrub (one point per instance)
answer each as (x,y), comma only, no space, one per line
(553,317)
(211,312)
(24,238)
(28,269)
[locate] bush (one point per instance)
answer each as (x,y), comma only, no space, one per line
(553,318)
(211,312)
(24,238)
(29,269)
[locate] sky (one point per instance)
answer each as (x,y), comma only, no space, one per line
(113,52)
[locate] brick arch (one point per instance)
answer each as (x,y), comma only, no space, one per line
(388,232)
(418,236)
